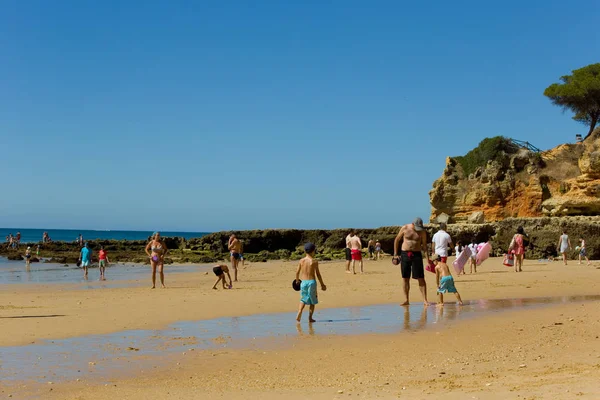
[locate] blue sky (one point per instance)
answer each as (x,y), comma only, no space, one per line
(210,115)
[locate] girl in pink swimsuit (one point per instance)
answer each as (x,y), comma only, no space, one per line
(518,249)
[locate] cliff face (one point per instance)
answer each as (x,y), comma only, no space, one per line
(564,181)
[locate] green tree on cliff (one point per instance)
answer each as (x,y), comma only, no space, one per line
(580,93)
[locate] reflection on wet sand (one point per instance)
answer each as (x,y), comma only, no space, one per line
(311,329)
(68,359)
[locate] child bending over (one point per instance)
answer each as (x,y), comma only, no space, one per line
(444,280)
(220,271)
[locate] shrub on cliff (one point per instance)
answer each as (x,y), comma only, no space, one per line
(489,149)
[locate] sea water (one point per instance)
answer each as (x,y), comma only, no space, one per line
(71,235)
(15,272)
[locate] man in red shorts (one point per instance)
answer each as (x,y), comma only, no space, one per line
(356,251)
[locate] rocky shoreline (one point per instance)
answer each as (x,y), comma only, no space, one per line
(287,244)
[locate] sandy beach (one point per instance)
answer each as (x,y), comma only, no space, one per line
(538,353)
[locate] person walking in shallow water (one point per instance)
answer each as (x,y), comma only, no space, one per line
(28,258)
(414,242)
(86,259)
(306,276)
(156,250)
(102,262)
(564,245)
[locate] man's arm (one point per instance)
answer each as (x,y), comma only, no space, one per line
(359,243)
(398,239)
(323,287)
(424,243)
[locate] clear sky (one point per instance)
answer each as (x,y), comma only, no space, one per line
(210,115)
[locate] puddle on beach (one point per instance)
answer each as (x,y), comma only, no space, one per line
(14,272)
(101,356)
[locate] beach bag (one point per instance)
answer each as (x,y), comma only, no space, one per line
(430,267)
(509,260)
(461,260)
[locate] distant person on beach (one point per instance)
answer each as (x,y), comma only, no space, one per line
(308,270)
(473,258)
(86,259)
(356,252)
(444,280)
(28,257)
(371,247)
(517,247)
(46,238)
(220,271)
(458,250)
(156,250)
(440,242)
(102,262)
(414,242)
(564,245)
(235,248)
(348,253)
(80,239)
(583,252)
(18,239)
(377,250)
(242,252)
(37,251)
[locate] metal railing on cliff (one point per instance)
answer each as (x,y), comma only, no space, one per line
(525,145)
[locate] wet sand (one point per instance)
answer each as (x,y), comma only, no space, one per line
(542,352)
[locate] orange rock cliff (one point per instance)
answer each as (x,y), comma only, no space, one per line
(517,182)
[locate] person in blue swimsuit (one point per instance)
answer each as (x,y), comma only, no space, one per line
(306,275)
(86,259)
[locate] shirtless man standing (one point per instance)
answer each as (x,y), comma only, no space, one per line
(348,252)
(371,248)
(356,252)
(414,242)
(234,247)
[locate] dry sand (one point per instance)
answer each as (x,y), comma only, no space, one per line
(552,352)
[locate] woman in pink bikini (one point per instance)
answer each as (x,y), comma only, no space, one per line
(156,250)
(517,247)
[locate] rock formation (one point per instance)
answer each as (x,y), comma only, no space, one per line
(491,184)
